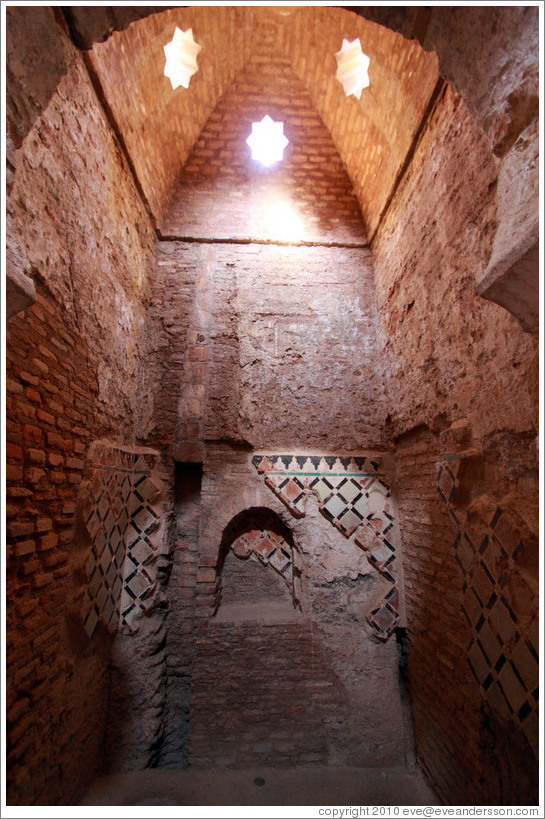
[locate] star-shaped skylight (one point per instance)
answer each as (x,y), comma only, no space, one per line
(181,54)
(352,65)
(267,141)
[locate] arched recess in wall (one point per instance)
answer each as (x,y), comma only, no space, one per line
(258,562)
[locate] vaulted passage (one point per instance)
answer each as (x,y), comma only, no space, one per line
(271,429)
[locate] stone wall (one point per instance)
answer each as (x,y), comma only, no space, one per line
(440,336)
(458,363)
(73,375)
(490,56)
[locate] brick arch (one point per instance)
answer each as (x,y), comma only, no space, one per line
(212,542)
(260,533)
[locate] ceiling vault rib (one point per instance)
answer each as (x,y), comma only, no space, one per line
(437,94)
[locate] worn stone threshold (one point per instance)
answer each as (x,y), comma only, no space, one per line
(265,786)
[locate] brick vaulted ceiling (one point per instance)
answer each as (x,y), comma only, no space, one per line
(159,126)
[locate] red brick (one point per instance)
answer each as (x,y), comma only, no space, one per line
(19,528)
(74,463)
(27,378)
(32,434)
(34,475)
(56,440)
(39,581)
(14,473)
(13,387)
(46,352)
(18,492)
(54,459)
(55,407)
(37,456)
(14,452)
(39,365)
(31,567)
(57,477)
(22,727)
(24,547)
(48,542)
(18,709)
(43,524)
(46,417)
(33,395)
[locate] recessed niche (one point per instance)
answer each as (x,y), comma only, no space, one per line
(257,570)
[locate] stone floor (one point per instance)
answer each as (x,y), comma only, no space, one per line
(269,786)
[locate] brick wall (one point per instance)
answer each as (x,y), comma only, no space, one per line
(436,626)
(72,376)
(257,344)
(54,688)
(477,47)
(182,591)
(246,346)
(229,316)
(246,581)
(440,335)
(276,712)
(453,356)
(160,127)
(223,193)
(334,588)
(81,225)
